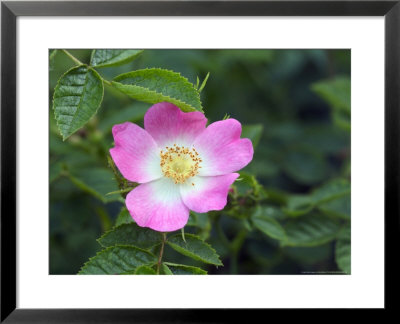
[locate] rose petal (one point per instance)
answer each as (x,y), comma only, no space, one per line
(207,193)
(135,153)
(158,205)
(221,149)
(167,124)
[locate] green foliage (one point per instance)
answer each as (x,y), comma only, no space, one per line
(133,113)
(343,250)
(123,218)
(95,181)
(144,270)
(158,85)
(203,84)
(130,234)
(268,225)
(112,57)
(194,248)
(165,270)
(253,132)
(305,165)
(337,93)
(340,207)
(310,230)
(332,198)
(77,97)
(298,205)
(118,259)
(331,190)
(181,269)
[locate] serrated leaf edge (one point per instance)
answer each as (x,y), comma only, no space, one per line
(117,227)
(57,85)
(197,237)
(119,77)
(112,247)
(327,239)
(273,221)
(184,266)
(113,64)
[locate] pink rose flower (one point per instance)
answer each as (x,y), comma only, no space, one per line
(180,164)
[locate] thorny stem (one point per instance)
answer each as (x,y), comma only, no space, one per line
(164,238)
(122,184)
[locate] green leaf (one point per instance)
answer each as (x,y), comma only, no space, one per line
(76,99)
(326,138)
(331,190)
(194,248)
(268,225)
(340,207)
(248,181)
(181,269)
(198,220)
(56,170)
(298,205)
(145,270)
(118,260)
(131,234)
(332,198)
(253,132)
(133,113)
(310,255)
(113,57)
(343,250)
(96,181)
(203,84)
(164,270)
(183,234)
(336,92)
(158,85)
(342,119)
(305,165)
(52,54)
(310,230)
(123,217)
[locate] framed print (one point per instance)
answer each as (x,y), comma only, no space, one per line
(176,155)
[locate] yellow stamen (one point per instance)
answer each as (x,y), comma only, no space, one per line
(179,163)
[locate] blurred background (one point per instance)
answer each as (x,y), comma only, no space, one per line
(296,107)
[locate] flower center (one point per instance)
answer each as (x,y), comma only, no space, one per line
(180,163)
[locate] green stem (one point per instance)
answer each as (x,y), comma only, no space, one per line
(120,191)
(234,263)
(73,58)
(236,246)
(105,220)
(106,81)
(122,184)
(164,238)
(221,234)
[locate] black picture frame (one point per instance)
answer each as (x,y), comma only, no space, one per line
(10,10)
